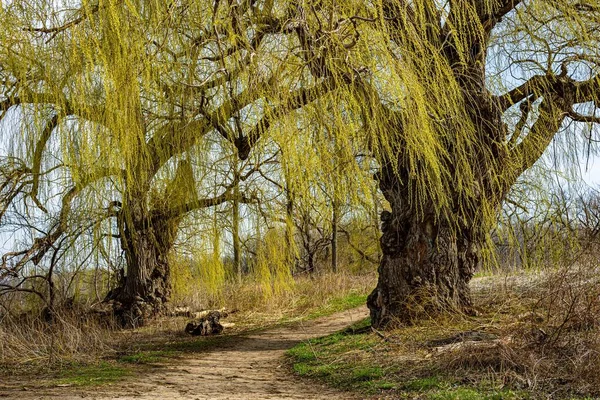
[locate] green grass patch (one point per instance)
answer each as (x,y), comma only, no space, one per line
(92,375)
(337,304)
(474,394)
(354,360)
(316,358)
(367,373)
(423,384)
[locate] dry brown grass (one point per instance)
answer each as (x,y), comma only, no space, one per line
(537,335)
(545,333)
(75,337)
(70,338)
(305,296)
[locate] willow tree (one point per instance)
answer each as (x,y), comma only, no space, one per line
(105,105)
(454,100)
(469,67)
(411,84)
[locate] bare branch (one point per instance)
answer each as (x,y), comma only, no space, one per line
(575,116)
(76,21)
(298,99)
(535,85)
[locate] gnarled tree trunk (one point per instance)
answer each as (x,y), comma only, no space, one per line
(145,286)
(425,268)
(431,251)
(148,225)
(427,260)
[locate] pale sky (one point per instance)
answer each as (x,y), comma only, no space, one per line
(592,175)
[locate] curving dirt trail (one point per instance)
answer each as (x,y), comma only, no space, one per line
(249,368)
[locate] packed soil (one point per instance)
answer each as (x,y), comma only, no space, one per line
(247,367)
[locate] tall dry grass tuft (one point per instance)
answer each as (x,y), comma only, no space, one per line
(564,336)
(545,333)
(305,294)
(69,338)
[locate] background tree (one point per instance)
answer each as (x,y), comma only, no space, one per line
(116,93)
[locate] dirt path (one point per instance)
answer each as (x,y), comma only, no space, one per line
(249,368)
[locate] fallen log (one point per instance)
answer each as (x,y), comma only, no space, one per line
(180,312)
(207,323)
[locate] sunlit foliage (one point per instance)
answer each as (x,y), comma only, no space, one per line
(122,115)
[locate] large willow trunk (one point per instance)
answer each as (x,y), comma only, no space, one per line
(427,263)
(425,268)
(431,250)
(145,287)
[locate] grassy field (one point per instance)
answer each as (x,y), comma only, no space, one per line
(356,360)
(536,337)
(75,352)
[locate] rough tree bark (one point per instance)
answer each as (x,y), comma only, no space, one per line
(145,287)
(426,267)
(430,256)
(147,233)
